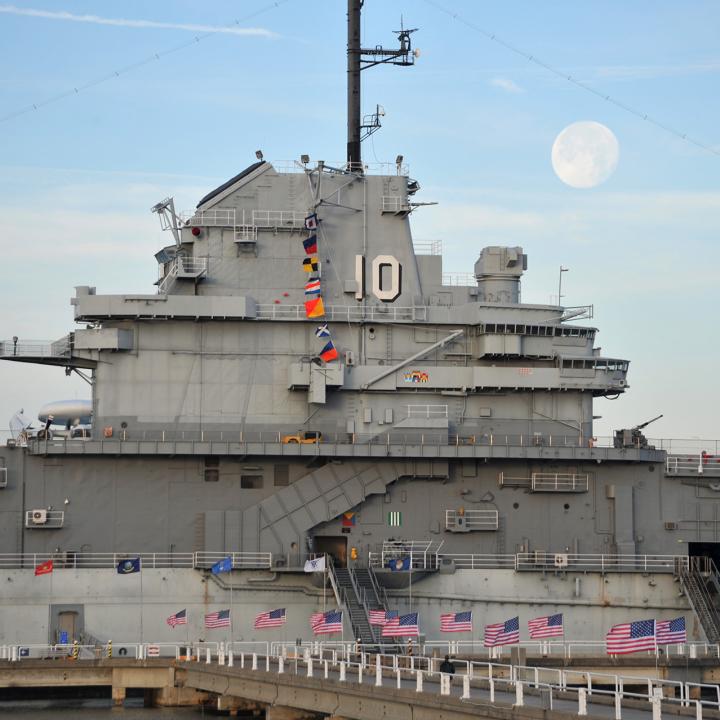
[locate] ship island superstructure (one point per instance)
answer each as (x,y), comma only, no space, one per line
(453,425)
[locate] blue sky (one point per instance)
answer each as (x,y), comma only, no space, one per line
(474,121)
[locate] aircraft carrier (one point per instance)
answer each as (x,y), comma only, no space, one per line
(306,380)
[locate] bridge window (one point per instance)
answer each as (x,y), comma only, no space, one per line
(212,469)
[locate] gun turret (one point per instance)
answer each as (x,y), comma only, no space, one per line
(633,437)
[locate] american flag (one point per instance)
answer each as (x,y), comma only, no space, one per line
(671,631)
(381,617)
(219,619)
(327,622)
(179,618)
(631,637)
(456,622)
(403,626)
(504,633)
(272,618)
(547,626)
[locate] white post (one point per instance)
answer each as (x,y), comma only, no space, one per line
(656,701)
(221,655)
(582,701)
(309,667)
(14,654)
(419,681)
(326,669)
(230,658)
(342,671)
(698,710)
(378,671)
(519,699)
(242,660)
(466,687)
(492,690)
(267,662)
(444,684)
(208,656)
(360,669)
(254,661)
(693,652)
(281,665)
(395,662)
(399,680)
(618,706)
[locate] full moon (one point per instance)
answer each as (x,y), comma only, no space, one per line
(585,154)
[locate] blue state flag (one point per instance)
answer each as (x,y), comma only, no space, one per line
(399,563)
(224,565)
(129,565)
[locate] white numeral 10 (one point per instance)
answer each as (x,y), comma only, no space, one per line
(382,266)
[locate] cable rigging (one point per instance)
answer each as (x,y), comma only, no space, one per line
(573,80)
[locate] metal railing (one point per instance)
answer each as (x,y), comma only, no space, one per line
(36,348)
(427,411)
(468,520)
(395,203)
(459,278)
(44,519)
(427,247)
(69,560)
(346,313)
(220,217)
(558,482)
(702,464)
(278,219)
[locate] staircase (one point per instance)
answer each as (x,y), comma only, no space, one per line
(355,606)
(701,583)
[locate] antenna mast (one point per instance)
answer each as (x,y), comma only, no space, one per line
(359,58)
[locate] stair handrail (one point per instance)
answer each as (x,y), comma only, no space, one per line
(362,599)
(333,580)
(380,591)
(699,596)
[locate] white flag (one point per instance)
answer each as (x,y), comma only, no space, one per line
(316,565)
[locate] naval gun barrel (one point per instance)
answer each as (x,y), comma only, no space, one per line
(645,424)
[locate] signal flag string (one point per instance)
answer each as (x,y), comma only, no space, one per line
(140,63)
(573,80)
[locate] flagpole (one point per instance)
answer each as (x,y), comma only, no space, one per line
(231,602)
(325,579)
(141,604)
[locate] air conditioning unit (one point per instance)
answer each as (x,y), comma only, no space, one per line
(39,517)
(671,526)
(561,560)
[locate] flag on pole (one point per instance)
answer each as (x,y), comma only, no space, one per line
(222,566)
(312,287)
(327,622)
(314,308)
(179,618)
(272,618)
(631,637)
(405,625)
(669,632)
(456,622)
(547,626)
(329,352)
(44,568)
(219,619)
(311,222)
(403,563)
(504,633)
(311,264)
(130,565)
(310,245)
(322,331)
(382,617)
(316,565)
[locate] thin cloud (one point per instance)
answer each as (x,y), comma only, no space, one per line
(124,22)
(506,85)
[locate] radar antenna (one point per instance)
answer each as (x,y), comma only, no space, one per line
(360,58)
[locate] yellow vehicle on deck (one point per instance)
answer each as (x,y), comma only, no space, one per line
(309,437)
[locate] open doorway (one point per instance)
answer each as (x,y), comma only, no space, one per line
(709,550)
(333,545)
